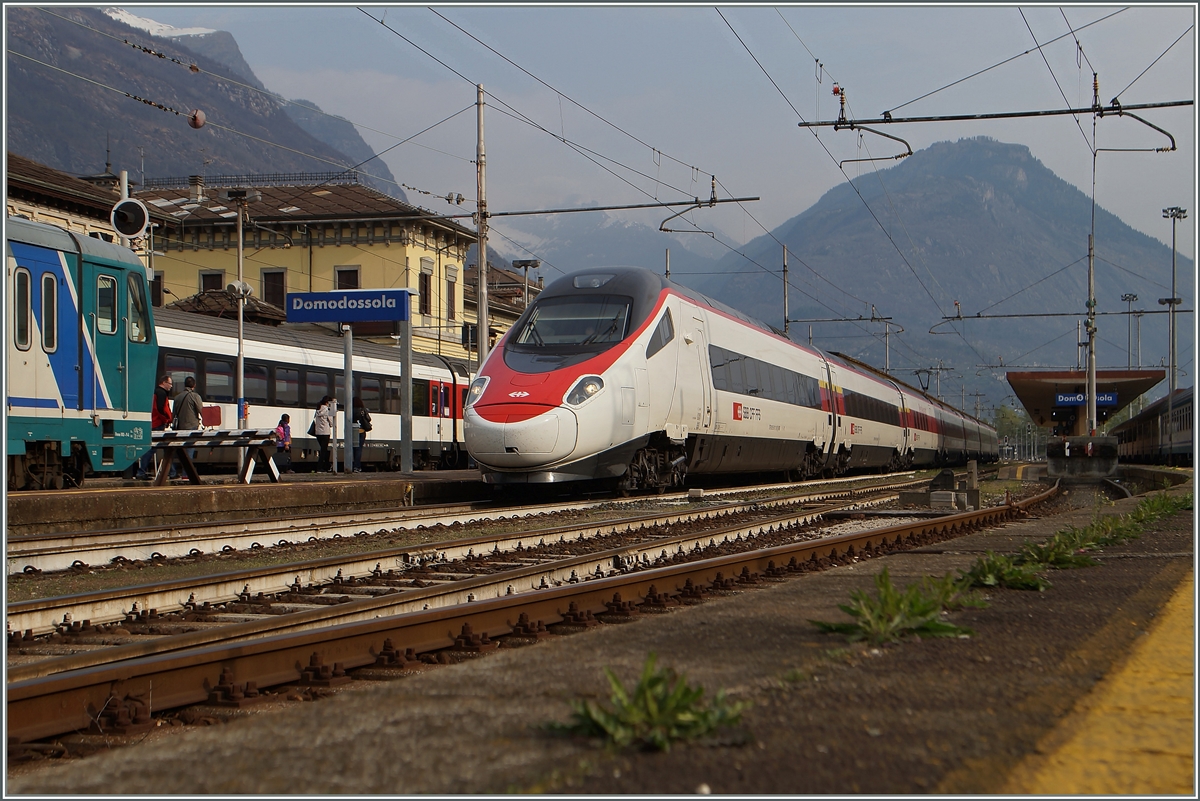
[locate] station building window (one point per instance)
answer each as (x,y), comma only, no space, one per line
(274,287)
(346,277)
(212,279)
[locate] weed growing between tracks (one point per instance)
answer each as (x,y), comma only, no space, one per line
(1069,546)
(894,614)
(661,709)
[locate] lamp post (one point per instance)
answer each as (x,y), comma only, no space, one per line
(1129,298)
(526,264)
(241,198)
(1174,214)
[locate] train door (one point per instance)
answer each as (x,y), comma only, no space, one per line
(105,388)
(700,344)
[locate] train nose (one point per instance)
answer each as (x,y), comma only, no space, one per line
(511,438)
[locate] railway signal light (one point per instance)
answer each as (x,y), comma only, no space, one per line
(129,218)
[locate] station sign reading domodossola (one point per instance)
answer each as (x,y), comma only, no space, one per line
(1080,399)
(348,306)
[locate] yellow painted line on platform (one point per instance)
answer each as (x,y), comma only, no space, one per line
(1135,732)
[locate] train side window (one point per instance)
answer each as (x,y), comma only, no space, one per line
(445,400)
(179,368)
(287,387)
(420,398)
(368,390)
(664,332)
(339,388)
(106,304)
(218,380)
(22,301)
(316,386)
(139,314)
(49,312)
(391,397)
(255,382)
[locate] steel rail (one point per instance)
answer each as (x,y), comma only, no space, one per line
(112,606)
(53,552)
(220,673)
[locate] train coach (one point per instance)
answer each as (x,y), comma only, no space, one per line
(289,369)
(80,356)
(619,375)
(1146,438)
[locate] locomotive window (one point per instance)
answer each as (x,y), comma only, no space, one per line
(218,380)
(575,321)
(368,390)
(139,315)
(664,332)
(21,309)
(49,312)
(106,304)
(255,382)
(287,387)
(316,386)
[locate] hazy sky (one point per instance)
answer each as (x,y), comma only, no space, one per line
(680,80)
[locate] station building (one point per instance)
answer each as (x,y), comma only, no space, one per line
(308,232)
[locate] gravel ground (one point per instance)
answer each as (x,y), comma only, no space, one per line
(947,716)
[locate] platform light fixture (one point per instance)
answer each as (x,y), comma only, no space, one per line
(1174,214)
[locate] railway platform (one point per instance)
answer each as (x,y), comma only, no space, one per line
(116,503)
(1101,656)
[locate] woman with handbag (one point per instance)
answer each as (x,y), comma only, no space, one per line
(283,444)
(322,429)
(362,424)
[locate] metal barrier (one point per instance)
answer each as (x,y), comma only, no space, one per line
(259,442)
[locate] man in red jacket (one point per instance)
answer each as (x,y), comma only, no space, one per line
(160,419)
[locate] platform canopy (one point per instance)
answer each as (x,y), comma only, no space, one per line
(1057,399)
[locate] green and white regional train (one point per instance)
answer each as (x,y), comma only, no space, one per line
(81,354)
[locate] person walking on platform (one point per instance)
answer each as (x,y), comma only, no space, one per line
(362,424)
(283,444)
(322,429)
(160,419)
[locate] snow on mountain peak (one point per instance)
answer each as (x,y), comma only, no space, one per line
(151,27)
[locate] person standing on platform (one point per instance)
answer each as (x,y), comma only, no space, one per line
(322,429)
(189,411)
(160,419)
(362,424)
(283,444)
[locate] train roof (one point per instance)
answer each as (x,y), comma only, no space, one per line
(29,232)
(1183,395)
(305,336)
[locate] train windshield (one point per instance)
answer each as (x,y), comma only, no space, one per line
(575,321)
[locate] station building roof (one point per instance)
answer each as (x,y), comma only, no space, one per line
(1037,390)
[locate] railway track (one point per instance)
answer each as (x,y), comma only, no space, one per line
(55,552)
(120,697)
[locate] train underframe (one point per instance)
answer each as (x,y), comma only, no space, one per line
(43,466)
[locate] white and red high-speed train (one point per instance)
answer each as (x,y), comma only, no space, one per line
(619,374)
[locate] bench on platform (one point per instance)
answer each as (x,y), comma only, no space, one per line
(174,445)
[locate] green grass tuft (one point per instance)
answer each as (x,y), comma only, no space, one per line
(1001,570)
(894,614)
(661,709)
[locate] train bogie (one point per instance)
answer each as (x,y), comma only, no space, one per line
(80,357)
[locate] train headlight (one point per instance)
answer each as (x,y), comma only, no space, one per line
(587,387)
(475,391)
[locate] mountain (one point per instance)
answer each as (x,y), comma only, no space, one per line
(977,225)
(569,242)
(340,133)
(96,90)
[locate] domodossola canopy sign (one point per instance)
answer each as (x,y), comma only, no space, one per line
(1080,399)
(348,306)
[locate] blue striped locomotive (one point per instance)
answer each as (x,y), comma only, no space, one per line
(81,356)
